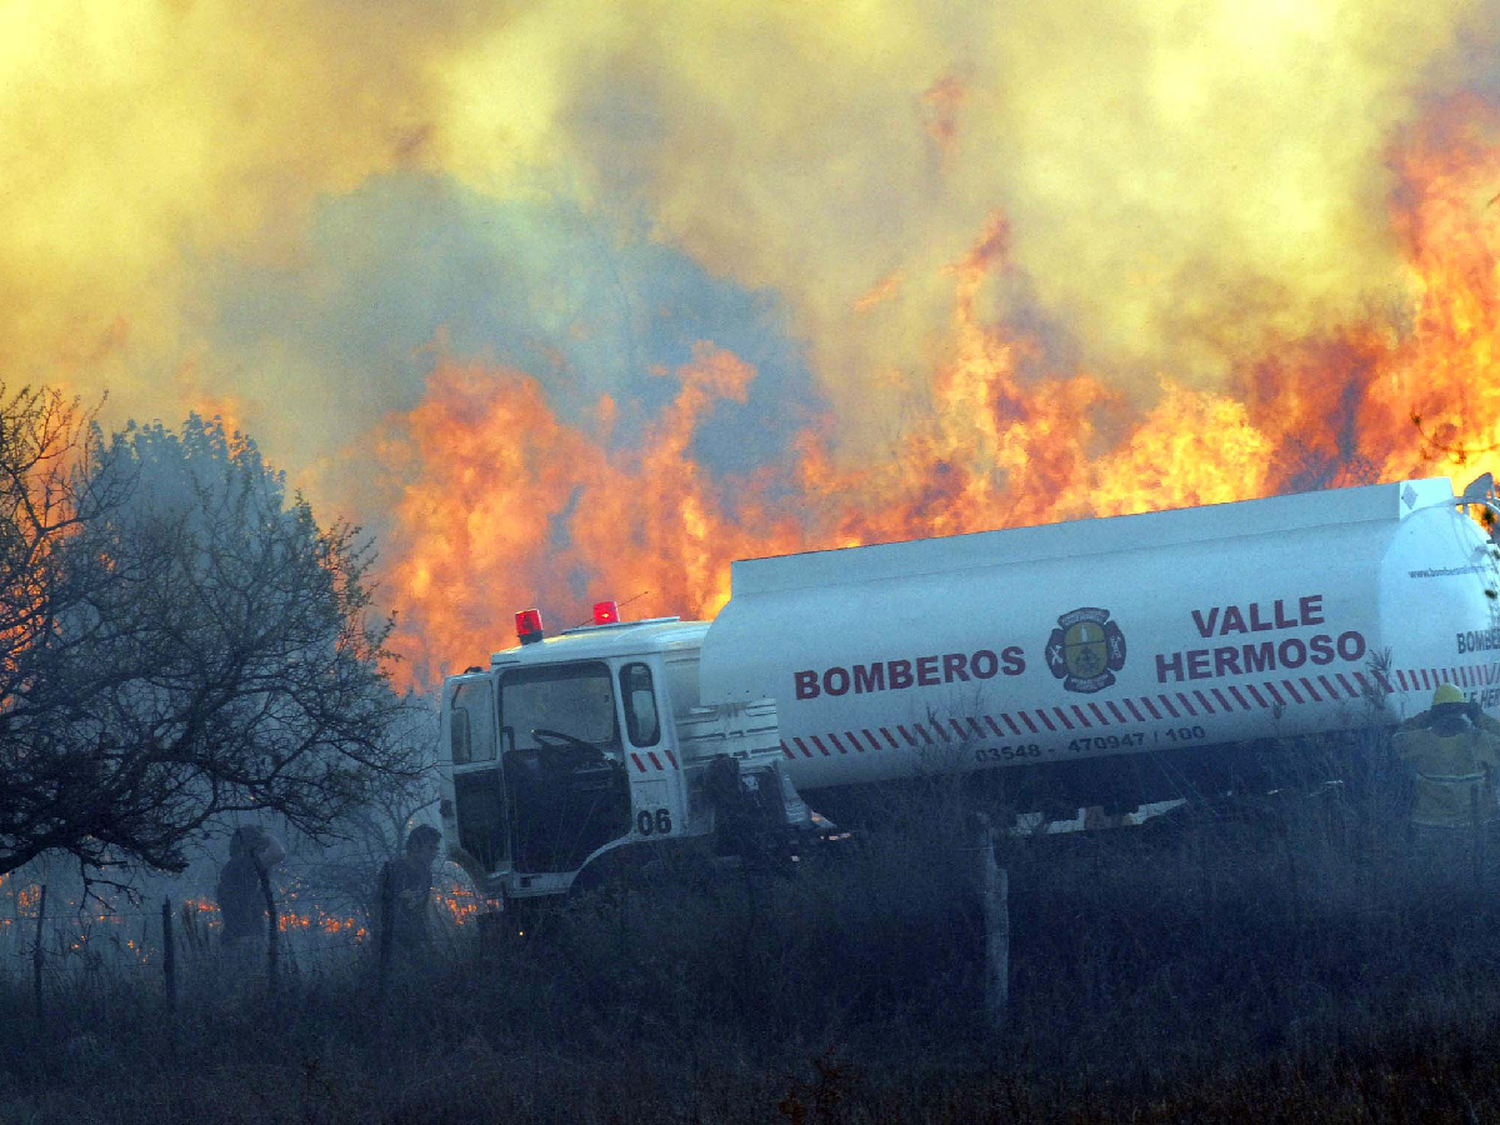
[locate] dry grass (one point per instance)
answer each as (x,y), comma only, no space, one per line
(1292,964)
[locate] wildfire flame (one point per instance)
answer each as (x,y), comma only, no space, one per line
(506,505)
(1022,263)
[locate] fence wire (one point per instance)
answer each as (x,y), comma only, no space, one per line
(128,944)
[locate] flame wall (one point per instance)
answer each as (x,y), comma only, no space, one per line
(567,299)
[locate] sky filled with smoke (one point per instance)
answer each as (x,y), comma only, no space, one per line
(306,214)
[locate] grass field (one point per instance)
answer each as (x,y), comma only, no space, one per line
(1300,960)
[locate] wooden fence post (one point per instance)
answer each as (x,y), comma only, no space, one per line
(993,884)
(37,956)
(169,953)
(387,919)
(999,946)
(273,928)
(1477,830)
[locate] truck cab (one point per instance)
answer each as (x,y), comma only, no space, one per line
(567,749)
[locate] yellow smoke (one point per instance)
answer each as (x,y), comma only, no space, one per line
(139,140)
(1181,180)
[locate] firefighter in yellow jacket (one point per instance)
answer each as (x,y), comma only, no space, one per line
(1454,747)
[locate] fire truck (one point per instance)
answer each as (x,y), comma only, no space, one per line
(1136,647)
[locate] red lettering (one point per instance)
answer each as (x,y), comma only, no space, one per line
(984,664)
(1197,661)
(1163,666)
(1206,627)
(899,673)
(953,667)
(1311,609)
(1322,649)
(1256,624)
(1260,658)
(1226,661)
(1282,620)
(1234,622)
(893,675)
(927,670)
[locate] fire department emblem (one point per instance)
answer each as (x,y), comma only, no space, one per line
(1086,650)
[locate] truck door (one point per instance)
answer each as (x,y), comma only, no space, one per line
(564,764)
(478,789)
(655,784)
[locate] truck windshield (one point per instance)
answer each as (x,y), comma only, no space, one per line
(572,700)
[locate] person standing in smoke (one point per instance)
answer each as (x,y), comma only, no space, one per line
(242,901)
(404,896)
(1454,749)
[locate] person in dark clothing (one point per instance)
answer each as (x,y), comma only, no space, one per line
(242,903)
(241,906)
(405,893)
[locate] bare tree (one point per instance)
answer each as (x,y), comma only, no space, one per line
(178,639)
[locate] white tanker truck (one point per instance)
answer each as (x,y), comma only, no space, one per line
(1045,654)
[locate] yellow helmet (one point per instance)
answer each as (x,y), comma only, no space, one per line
(1446,693)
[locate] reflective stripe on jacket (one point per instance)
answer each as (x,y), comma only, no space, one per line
(1453,773)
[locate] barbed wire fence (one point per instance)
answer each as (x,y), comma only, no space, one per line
(50,945)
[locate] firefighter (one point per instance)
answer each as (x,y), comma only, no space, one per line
(242,900)
(1454,748)
(242,903)
(405,894)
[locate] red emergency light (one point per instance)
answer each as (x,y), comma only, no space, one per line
(529,626)
(606,613)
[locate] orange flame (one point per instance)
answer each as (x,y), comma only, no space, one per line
(495,473)
(504,505)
